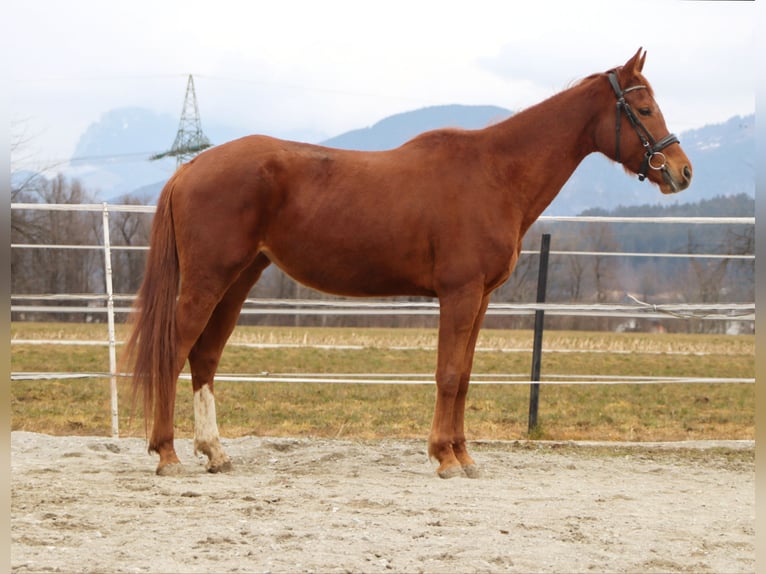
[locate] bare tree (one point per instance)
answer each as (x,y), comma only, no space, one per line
(717,280)
(741,277)
(55,270)
(521,286)
(129,229)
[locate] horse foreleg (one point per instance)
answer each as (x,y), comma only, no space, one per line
(203,362)
(458,425)
(459,313)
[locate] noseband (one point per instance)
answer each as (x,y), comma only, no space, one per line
(653,155)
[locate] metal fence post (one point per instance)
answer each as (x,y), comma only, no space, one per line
(110,321)
(537,345)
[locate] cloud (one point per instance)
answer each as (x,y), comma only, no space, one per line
(332,66)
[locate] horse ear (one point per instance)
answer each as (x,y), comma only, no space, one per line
(640,66)
(634,65)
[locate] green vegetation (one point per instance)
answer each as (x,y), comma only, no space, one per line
(642,412)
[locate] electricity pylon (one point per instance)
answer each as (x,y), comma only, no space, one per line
(189,139)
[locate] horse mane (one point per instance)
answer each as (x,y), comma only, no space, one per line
(642,80)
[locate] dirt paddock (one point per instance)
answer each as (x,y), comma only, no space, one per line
(92,504)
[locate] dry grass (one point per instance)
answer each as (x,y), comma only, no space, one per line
(567,411)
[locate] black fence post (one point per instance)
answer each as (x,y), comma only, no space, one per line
(542,280)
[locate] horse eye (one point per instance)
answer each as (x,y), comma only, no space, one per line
(645,111)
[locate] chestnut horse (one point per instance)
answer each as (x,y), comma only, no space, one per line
(441,216)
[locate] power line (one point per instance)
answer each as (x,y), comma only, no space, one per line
(241,80)
(30,79)
(138,154)
(57,163)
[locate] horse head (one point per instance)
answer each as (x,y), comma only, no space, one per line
(636,135)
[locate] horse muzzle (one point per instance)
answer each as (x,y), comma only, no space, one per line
(675,180)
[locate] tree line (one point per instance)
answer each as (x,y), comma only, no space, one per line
(596,278)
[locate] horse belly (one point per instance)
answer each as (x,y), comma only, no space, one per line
(353,267)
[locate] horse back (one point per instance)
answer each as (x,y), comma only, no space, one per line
(351,222)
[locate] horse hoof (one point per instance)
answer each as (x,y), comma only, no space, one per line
(451,472)
(472,471)
(223,466)
(170,469)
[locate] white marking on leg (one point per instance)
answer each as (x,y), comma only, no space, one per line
(205,425)
(206,437)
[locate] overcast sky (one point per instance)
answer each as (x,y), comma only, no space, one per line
(324,67)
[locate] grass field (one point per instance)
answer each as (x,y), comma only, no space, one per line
(636,412)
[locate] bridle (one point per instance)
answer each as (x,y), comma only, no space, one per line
(653,148)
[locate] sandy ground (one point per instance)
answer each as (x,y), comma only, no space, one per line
(88,504)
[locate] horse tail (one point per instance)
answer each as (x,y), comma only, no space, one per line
(151,348)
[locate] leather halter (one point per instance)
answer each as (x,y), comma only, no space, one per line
(653,148)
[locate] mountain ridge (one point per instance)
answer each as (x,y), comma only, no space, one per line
(722,156)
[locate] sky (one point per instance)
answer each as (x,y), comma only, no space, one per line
(315,69)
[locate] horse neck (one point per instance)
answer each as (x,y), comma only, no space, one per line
(540,147)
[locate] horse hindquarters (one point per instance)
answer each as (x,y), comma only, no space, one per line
(167,329)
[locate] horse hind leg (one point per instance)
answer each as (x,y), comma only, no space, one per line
(192,313)
(198,299)
(203,361)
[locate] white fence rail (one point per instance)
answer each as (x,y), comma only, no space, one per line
(112,304)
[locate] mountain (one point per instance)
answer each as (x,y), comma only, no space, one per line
(394,130)
(115,149)
(722,156)
(113,156)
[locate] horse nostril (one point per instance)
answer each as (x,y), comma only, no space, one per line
(687,173)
